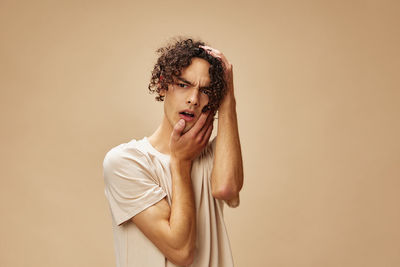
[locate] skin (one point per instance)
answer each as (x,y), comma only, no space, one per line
(173,228)
(227,173)
(186,93)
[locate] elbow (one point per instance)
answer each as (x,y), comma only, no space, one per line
(228,186)
(226,192)
(188,257)
(183,257)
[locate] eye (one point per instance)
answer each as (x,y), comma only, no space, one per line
(182,85)
(205,91)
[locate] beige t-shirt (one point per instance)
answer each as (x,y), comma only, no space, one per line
(136,177)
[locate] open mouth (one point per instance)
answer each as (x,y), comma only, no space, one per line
(187,114)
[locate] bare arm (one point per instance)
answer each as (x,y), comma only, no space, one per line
(173,229)
(227,174)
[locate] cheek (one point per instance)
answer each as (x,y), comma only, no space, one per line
(204,99)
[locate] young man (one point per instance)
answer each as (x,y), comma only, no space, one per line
(167,191)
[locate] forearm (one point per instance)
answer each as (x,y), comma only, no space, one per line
(183,215)
(227,174)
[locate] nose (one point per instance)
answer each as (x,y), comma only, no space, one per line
(193,97)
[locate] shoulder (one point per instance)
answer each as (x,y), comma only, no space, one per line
(125,155)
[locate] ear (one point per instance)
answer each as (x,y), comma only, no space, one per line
(162,92)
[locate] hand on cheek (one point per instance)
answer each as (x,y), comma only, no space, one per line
(187,146)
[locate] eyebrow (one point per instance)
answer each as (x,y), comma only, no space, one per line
(185,81)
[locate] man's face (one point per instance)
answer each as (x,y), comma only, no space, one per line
(187,94)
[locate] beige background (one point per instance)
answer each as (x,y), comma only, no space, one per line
(318,100)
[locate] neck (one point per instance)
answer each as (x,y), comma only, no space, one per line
(160,138)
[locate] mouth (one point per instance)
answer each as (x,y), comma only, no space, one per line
(187,115)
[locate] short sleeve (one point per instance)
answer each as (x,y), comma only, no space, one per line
(130,186)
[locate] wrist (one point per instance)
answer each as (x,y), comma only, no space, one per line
(228,103)
(180,164)
(229,96)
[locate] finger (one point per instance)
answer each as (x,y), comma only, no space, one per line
(207,135)
(216,53)
(210,121)
(210,48)
(212,51)
(200,123)
(178,128)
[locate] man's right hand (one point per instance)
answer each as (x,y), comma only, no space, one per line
(173,228)
(188,146)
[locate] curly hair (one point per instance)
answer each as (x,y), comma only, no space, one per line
(177,55)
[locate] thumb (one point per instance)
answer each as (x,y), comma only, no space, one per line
(178,128)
